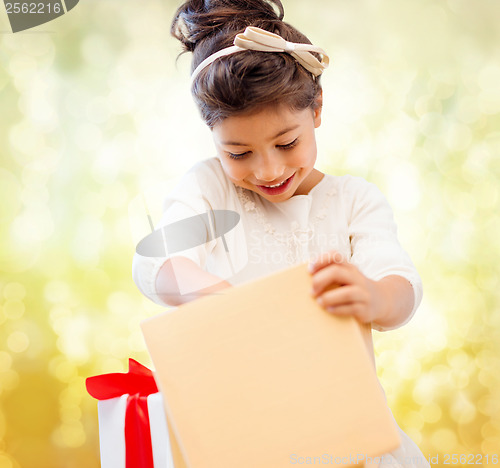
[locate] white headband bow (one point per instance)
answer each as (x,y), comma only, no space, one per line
(259,39)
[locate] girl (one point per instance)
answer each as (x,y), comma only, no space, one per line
(256,81)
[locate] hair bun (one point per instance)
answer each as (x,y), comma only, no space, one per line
(197,19)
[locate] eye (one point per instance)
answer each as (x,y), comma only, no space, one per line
(289,145)
(237,155)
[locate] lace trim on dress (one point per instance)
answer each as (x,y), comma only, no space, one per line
(295,237)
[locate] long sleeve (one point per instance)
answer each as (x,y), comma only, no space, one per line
(194,196)
(375,248)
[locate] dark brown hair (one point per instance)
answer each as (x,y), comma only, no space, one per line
(245,81)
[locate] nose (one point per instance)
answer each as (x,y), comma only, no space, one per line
(268,169)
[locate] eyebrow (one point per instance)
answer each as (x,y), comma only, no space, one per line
(282,132)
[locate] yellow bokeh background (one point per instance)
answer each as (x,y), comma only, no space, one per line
(96,111)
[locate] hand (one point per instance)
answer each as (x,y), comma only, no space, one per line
(179,273)
(342,289)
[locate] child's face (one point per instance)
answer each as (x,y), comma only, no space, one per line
(268,147)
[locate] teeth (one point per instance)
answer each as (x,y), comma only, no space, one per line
(277,185)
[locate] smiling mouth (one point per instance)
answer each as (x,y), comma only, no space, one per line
(275,185)
(277,189)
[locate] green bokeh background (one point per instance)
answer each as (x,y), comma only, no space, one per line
(95,112)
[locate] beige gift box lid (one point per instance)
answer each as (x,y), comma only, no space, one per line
(259,375)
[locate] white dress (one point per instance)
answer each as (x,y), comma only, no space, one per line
(344,213)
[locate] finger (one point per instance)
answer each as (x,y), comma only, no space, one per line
(326,258)
(331,277)
(354,310)
(341,296)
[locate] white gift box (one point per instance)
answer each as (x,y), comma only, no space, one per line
(133,429)
(112,432)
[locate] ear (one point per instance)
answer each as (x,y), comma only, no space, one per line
(317,111)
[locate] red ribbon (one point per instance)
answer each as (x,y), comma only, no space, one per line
(138,383)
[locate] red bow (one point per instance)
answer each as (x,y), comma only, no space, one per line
(138,383)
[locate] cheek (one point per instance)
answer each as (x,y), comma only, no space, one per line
(306,156)
(312,151)
(236,170)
